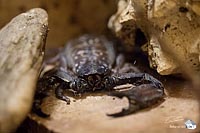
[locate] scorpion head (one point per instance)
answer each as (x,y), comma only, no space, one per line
(79,85)
(90,77)
(91,82)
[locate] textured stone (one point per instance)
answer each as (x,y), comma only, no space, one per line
(171,27)
(21,52)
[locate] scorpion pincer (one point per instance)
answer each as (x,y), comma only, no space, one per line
(89,63)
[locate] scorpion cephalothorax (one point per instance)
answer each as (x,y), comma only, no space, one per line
(87,64)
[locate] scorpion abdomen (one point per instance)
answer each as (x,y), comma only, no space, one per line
(90,55)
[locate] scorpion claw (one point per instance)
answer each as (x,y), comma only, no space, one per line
(139,97)
(133,107)
(116,94)
(124,112)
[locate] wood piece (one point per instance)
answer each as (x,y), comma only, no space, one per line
(22,43)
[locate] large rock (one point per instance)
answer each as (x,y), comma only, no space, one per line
(172,28)
(22,43)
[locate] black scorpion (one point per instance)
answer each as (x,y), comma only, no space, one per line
(89,63)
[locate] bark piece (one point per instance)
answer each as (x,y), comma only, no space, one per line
(22,43)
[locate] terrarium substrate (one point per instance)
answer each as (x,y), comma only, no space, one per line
(88,113)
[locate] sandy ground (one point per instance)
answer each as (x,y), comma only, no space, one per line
(88,113)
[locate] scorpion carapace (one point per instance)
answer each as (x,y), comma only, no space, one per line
(89,63)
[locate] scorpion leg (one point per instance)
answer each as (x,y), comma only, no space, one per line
(120,60)
(52,79)
(122,67)
(127,67)
(59,58)
(66,78)
(59,92)
(147,92)
(44,84)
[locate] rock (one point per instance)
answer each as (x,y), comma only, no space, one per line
(171,27)
(21,53)
(123,23)
(180,29)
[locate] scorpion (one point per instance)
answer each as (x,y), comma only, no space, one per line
(90,63)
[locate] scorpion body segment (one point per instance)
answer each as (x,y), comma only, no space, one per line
(89,51)
(87,64)
(90,58)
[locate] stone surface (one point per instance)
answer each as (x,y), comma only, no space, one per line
(171,27)
(180,29)
(88,113)
(123,23)
(21,52)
